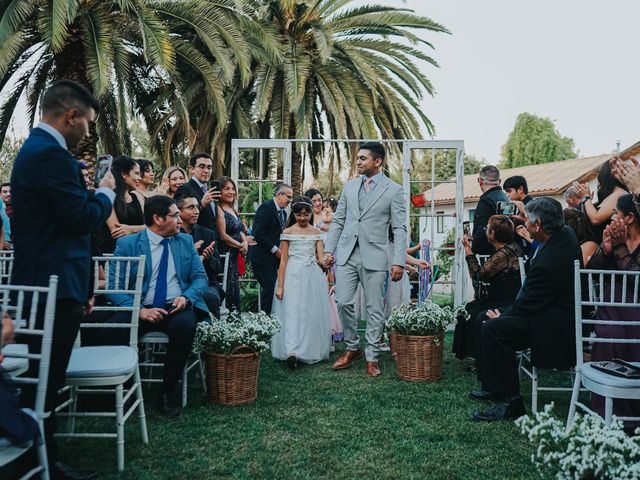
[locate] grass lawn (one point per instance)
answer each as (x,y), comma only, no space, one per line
(320,424)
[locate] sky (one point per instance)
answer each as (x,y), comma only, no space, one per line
(569,60)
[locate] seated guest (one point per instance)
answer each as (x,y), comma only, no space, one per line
(620,250)
(582,227)
(205,243)
(172,289)
(542,316)
(498,283)
(18,426)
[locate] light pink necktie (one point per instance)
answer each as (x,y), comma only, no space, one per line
(367,184)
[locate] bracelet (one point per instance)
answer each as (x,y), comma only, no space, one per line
(332,283)
(585,198)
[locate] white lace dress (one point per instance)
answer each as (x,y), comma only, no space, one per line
(305,315)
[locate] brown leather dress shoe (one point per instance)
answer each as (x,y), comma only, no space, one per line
(373,370)
(346,359)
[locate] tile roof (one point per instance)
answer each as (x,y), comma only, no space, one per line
(544,179)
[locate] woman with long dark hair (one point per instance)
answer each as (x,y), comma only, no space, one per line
(146,178)
(127,215)
(231,231)
(609,191)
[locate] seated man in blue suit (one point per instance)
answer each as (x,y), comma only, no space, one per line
(174,281)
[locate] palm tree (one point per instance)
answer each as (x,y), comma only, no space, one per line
(124,51)
(342,75)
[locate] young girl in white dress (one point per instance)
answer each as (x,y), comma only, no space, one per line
(306,326)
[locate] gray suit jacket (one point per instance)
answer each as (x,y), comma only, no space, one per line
(369,227)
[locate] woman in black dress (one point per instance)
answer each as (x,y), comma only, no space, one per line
(126,217)
(231,231)
(498,283)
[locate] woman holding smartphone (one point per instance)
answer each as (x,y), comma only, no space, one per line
(231,231)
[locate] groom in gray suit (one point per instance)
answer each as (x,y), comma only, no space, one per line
(359,236)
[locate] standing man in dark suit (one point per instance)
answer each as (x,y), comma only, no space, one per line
(53,217)
(200,169)
(492,193)
(268,224)
(542,317)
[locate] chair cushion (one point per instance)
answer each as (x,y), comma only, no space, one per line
(102,361)
(11,364)
(155,337)
(602,378)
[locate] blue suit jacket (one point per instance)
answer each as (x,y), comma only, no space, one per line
(53,215)
(189,270)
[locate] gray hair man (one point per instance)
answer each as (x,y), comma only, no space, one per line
(540,318)
(492,193)
(573,199)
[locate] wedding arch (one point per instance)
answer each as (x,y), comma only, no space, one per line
(280,150)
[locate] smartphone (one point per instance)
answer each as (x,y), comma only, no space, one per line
(466,229)
(215,185)
(103,165)
(506,208)
(171,310)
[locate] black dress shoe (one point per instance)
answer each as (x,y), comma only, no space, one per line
(60,471)
(292,361)
(481,395)
(165,407)
(502,411)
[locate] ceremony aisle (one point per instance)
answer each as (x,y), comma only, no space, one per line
(315,423)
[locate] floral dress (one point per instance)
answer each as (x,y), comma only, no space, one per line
(234,228)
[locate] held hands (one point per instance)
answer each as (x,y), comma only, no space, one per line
(396,272)
(279,293)
(493,313)
(327,260)
(278,253)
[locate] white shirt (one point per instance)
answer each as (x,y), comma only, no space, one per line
(173,285)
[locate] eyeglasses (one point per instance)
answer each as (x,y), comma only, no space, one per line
(202,166)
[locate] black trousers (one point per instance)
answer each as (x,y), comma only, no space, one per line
(501,338)
(180,328)
(69,315)
(212,300)
(267,275)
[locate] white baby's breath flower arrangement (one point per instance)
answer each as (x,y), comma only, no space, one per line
(589,450)
(425,319)
(223,336)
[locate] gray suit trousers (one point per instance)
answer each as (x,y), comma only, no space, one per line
(347,278)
